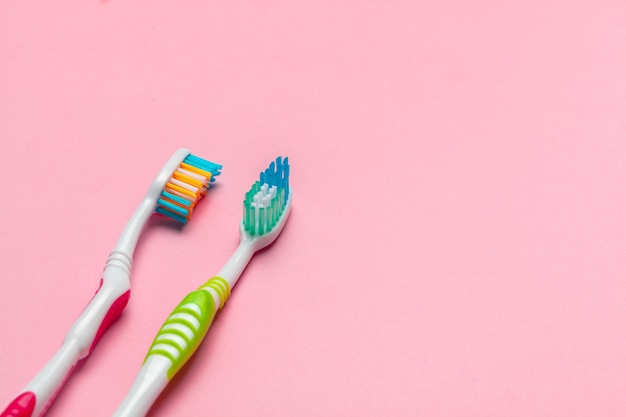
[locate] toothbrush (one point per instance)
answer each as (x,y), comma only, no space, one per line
(174,193)
(265,210)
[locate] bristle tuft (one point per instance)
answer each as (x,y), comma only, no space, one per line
(267,198)
(187,185)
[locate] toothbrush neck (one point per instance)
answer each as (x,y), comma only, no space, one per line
(128,240)
(237,263)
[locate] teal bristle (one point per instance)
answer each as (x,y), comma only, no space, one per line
(178,204)
(176,198)
(173,207)
(262,208)
(171,215)
(212,167)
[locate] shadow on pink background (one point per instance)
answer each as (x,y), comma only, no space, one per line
(456,246)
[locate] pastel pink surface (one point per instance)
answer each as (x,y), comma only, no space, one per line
(456,245)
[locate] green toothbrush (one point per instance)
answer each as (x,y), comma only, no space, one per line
(266,207)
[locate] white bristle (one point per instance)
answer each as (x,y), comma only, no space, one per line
(193,175)
(184,185)
(179,194)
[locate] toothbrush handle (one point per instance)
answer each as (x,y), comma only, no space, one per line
(177,340)
(104,308)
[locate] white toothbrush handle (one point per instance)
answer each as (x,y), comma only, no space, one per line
(150,381)
(100,313)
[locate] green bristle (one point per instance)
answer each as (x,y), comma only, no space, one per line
(248,220)
(262,221)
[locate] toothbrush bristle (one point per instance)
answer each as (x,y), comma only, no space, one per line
(265,202)
(188,184)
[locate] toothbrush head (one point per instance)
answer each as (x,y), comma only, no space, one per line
(187,184)
(267,204)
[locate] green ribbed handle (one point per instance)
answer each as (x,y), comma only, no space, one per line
(184,329)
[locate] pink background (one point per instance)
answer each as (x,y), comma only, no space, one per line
(457,241)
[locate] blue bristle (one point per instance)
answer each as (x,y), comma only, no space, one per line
(277,174)
(285,166)
(171,215)
(272,168)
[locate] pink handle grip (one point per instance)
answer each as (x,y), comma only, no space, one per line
(22,406)
(114,312)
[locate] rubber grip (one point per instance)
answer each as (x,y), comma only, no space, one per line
(111,316)
(186,326)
